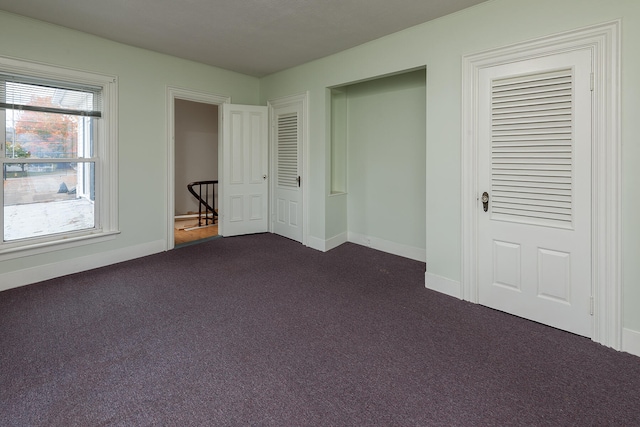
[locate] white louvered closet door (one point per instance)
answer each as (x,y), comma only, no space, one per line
(287,215)
(534,163)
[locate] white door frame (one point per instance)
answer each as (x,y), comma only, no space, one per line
(303,99)
(604,42)
(174,93)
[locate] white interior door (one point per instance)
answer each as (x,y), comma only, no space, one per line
(287,142)
(243,187)
(534,163)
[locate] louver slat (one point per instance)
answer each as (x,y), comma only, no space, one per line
(287,150)
(532,148)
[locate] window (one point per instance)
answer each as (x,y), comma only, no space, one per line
(58,157)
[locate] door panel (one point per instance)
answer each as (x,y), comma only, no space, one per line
(506,265)
(244,188)
(554,272)
(287,122)
(534,161)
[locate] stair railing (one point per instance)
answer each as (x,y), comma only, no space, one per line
(205,209)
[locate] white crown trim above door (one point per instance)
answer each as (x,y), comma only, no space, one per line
(603,43)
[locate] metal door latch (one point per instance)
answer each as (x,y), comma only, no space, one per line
(485,201)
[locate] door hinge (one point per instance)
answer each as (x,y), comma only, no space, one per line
(591,304)
(592,79)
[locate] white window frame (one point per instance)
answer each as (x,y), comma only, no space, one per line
(105,154)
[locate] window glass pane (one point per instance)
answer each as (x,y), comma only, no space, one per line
(48,198)
(38,135)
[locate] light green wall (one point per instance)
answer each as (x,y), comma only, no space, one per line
(386,158)
(440,45)
(143,79)
(339,141)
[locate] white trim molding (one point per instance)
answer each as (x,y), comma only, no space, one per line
(326,245)
(174,93)
(39,273)
(442,285)
(335,241)
(604,43)
(631,341)
(388,246)
(316,243)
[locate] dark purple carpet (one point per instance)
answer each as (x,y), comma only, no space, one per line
(259,330)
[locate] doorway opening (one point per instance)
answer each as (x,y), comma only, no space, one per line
(196,171)
(194,131)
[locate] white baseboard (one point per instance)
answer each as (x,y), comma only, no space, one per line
(394,248)
(336,241)
(39,273)
(631,341)
(326,245)
(315,243)
(443,285)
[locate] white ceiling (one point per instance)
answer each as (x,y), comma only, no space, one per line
(255,37)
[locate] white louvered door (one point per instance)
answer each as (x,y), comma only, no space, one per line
(534,162)
(287,215)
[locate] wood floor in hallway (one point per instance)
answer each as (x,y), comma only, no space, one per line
(186,232)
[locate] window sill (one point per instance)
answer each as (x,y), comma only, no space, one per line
(56,245)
